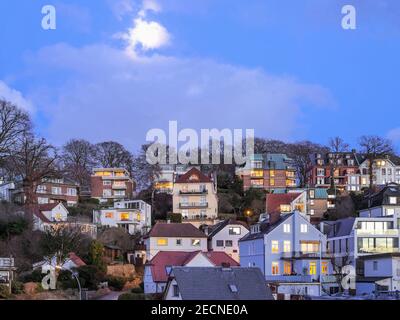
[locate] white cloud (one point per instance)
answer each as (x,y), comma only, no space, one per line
(15,97)
(112,96)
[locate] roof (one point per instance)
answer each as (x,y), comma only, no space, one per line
(202,283)
(266,227)
(341,227)
(274,201)
(194,175)
(164,259)
(371,279)
(76,260)
(213,230)
(277,161)
(175,230)
(39,209)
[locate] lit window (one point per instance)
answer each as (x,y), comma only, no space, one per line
(324,267)
(312,268)
(286,246)
(286,228)
(285,208)
(272,182)
(389,212)
(303,228)
(109,215)
(392,200)
(274,246)
(312,212)
(138,216)
(195,242)
(58,216)
(275,268)
(287,268)
(124,216)
(162,242)
(234,231)
(272,173)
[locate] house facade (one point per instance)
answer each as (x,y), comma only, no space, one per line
(195,197)
(174,237)
(385,170)
(111,184)
(225,236)
(132,215)
(270,172)
(290,252)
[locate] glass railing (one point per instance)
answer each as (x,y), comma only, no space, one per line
(387,232)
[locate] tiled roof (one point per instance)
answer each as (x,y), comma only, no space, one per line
(213,230)
(194,172)
(274,201)
(202,283)
(175,230)
(76,260)
(164,259)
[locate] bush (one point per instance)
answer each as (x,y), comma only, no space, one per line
(132,296)
(34,276)
(137,290)
(4,292)
(117,283)
(90,277)
(175,218)
(17,287)
(65,280)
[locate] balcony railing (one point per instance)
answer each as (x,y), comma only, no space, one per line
(388,232)
(197,217)
(290,279)
(377,250)
(6,262)
(119,186)
(193,205)
(204,191)
(305,255)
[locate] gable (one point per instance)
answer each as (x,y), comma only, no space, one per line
(199,261)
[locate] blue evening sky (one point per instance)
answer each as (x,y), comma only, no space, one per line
(286,68)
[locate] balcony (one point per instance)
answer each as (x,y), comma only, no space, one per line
(197,217)
(119,186)
(193,205)
(304,255)
(388,232)
(289,279)
(377,250)
(193,192)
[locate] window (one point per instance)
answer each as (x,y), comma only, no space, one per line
(58,216)
(303,228)
(106,183)
(109,215)
(272,173)
(324,268)
(195,242)
(220,243)
(43,200)
(176,291)
(272,182)
(107,193)
(41,189)
(312,212)
(286,228)
(71,192)
(375,265)
(286,246)
(178,242)
(275,268)
(124,216)
(389,212)
(392,200)
(384,172)
(234,230)
(56,190)
(228,243)
(285,208)
(287,268)
(312,268)
(274,246)
(119,193)
(309,246)
(321,172)
(162,242)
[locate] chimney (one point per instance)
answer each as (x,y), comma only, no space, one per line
(274,217)
(321,226)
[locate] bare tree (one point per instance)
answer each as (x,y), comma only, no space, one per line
(111,154)
(143,172)
(13,123)
(78,160)
(337,144)
(32,160)
(374,147)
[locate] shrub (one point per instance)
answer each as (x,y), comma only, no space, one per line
(34,276)
(90,277)
(66,281)
(132,296)
(4,292)
(117,283)
(175,218)
(17,287)
(137,290)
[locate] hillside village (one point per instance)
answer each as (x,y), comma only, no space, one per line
(96,222)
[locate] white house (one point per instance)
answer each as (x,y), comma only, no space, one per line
(133,215)
(157,270)
(384,170)
(174,237)
(72,262)
(225,236)
(290,252)
(47,214)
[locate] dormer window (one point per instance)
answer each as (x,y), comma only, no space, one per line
(392,200)
(255,228)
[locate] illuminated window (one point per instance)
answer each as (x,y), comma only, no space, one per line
(285,208)
(286,228)
(234,231)
(162,242)
(312,268)
(275,268)
(392,200)
(109,215)
(272,173)
(324,267)
(303,228)
(138,216)
(257,173)
(309,246)
(286,246)
(195,242)
(124,216)
(272,182)
(274,246)
(58,216)
(287,268)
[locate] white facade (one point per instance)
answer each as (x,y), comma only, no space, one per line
(132,215)
(384,171)
(156,244)
(58,214)
(227,240)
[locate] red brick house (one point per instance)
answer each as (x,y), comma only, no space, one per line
(111,184)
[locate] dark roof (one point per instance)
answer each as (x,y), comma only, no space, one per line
(175,230)
(202,283)
(341,227)
(370,279)
(194,175)
(213,230)
(381,196)
(266,227)
(274,201)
